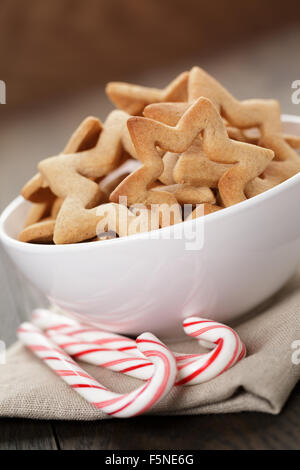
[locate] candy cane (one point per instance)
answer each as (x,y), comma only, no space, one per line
(227,350)
(121,353)
(86,344)
(54,323)
(94,346)
(116,360)
(119,405)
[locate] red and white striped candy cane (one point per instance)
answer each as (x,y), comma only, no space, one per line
(94,346)
(114,404)
(116,360)
(54,324)
(97,347)
(83,343)
(227,350)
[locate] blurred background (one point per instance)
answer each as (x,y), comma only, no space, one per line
(57,55)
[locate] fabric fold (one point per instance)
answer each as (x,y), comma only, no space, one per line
(261,382)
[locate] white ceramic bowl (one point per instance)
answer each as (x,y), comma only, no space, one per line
(134,284)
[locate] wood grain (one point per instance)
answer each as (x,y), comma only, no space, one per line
(26,435)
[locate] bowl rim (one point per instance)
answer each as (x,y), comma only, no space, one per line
(44,248)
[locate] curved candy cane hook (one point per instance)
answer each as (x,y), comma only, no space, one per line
(227,350)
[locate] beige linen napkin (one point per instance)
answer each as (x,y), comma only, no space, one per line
(260,382)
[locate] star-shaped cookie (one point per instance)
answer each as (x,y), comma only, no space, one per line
(203,118)
(133,98)
(71,178)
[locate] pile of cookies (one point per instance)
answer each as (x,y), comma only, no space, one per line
(191,143)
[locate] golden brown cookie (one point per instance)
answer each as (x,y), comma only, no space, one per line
(85,137)
(36,190)
(194,167)
(69,177)
(41,232)
(262,114)
(292,140)
(40,210)
(201,117)
(188,194)
(203,209)
(133,98)
(169,160)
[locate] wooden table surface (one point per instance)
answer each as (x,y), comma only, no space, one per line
(256,68)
